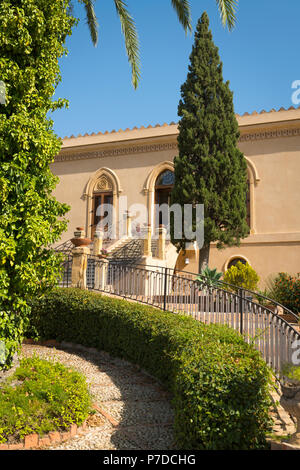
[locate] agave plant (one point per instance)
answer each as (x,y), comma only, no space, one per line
(209,278)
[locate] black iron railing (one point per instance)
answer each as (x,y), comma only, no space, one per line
(265,326)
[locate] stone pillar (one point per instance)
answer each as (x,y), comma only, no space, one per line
(98,242)
(162,242)
(79,266)
(147,251)
(101,268)
(128,224)
(79,263)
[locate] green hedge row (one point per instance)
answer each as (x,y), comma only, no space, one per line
(219,383)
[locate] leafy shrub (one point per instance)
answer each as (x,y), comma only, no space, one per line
(287,291)
(291,374)
(219,383)
(242,275)
(50,397)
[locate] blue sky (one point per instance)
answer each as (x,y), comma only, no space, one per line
(261,60)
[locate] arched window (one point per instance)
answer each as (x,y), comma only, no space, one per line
(163,188)
(102,195)
(234,261)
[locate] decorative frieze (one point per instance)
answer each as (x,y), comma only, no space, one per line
(270,134)
(115,152)
(251,136)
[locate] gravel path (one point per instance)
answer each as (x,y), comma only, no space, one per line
(135,410)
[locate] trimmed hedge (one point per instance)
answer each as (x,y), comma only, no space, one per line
(220,384)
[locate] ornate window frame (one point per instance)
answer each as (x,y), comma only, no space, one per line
(149,187)
(90,190)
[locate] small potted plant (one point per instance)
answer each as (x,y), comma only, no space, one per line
(103,253)
(79,238)
(290,399)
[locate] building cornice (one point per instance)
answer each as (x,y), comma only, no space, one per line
(114,152)
(254,127)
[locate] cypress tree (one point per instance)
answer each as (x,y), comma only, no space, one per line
(210,169)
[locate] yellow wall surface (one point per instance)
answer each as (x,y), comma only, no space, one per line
(271,145)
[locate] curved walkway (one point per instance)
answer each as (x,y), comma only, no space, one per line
(133,410)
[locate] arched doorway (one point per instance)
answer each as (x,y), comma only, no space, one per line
(163,187)
(102,197)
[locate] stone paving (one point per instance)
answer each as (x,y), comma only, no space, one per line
(283,422)
(133,410)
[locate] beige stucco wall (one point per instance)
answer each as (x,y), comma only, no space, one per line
(269,141)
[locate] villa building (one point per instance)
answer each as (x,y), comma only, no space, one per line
(138,163)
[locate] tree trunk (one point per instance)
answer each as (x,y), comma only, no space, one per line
(204,257)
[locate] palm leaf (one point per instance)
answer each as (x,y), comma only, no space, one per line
(91,19)
(227,11)
(182,8)
(131,40)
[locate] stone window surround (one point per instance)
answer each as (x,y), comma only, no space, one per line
(149,191)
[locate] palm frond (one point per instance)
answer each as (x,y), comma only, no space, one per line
(131,40)
(182,8)
(227,11)
(91,19)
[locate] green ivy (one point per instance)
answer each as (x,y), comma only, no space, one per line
(220,383)
(32,37)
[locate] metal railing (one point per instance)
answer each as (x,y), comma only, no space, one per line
(66,274)
(266,328)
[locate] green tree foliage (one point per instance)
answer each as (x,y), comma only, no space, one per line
(32,36)
(210,169)
(286,290)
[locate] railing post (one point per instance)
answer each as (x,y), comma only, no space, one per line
(162,242)
(241,308)
(98,242)
(128,224)
(165,287)
(147,251)
(101,274)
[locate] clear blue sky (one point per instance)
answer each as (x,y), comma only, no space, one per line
(261,59)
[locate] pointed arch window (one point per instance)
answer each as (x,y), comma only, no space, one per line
(102,195)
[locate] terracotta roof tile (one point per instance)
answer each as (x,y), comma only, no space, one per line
(254,113)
